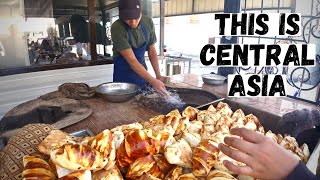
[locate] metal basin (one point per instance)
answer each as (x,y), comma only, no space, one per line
(213,79)
(117,91)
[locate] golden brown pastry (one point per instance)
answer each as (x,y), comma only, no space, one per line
(251,117)
(103,142)
(274,137)
(163,163)
(148,177)
(218,164)
(238,114)
(56,138)
(127,127)
(212,109)
(144,165)
(219,175)
(36,167)
(179,153)
(157,119)
(190,112)
(188,176)
(173,119)
(195,127)
(204,156)
(78,157)
(223,124)
(193,139)
(208,117)
(113,173)
(174,173)
(184,124)
(224,109)
(63,171)
(163,140)
(135,145)
(209,124)
(78,175)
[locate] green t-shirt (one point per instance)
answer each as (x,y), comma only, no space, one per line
(120,36)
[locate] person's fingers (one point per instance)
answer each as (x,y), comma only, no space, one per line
(236,154)
(162,91)
(247,134)
(243,170)
(239,144)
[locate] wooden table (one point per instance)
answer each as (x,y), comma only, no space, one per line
(106,115)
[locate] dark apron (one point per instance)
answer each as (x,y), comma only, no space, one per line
(122,71)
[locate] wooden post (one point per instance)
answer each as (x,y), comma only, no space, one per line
(162,15)
(92,30)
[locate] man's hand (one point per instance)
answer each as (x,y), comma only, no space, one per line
(264,158)
(161,78)
(159,87)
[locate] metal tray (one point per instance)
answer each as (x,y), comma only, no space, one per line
(82,133)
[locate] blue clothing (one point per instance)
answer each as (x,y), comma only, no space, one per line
(122,70)
(301,172)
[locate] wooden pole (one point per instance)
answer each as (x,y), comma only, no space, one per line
(92,30)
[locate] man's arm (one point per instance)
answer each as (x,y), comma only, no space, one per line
(135,65)
(142,72)
(152,53)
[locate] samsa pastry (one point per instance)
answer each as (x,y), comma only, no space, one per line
(144,165)
(204,156)
(113,173)
(179,153)
(78,175)
(219,175)
(104,143)
(190,113)
(56,138)
(36,167)
(78,157)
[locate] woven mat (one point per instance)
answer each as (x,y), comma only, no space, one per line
(78,112)
(24,142)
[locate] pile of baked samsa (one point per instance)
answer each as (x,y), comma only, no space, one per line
(172,146)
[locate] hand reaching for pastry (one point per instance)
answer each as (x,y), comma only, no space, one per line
(264,158)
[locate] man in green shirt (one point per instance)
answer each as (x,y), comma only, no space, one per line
(133,34)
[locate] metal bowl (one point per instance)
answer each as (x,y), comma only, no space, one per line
(213,79)
(117,91)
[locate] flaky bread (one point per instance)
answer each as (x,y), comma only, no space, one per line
(174,173)
(163,163)
(127,127)
(78,157)
(104,143)
(78,175)
(238,114)
(144,165)
(113,173)
(224,109)
(135,145)
(219,175)
(56,138)
(188,176)
(179,153)
(36,167)
(204,156)
(63,171)
(190,112)
(193,139)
